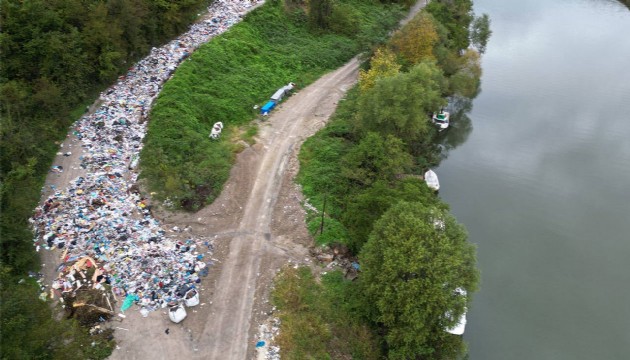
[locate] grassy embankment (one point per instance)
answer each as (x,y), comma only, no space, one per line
(225,78)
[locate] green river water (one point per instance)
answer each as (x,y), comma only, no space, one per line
(539,172)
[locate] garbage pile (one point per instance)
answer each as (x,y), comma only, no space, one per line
(337,257)
(266,348)
(100,221)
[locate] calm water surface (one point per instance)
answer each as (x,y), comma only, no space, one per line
(542,182)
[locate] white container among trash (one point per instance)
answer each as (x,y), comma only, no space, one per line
(177,313)
(216,130)
(192,298)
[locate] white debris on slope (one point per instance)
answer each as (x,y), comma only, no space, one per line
(265,347)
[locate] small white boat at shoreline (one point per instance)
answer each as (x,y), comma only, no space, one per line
(441,119)
(430,177)
(460,327)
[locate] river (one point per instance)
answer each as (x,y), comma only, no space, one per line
(542,182)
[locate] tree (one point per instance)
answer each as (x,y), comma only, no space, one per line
(367,206)
(415,259)
(383,64)
(456,16)
(319,12)
(415,41)
(376,157)
(400,105)
(481,32)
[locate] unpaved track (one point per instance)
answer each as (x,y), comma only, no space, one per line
(227,332)
(243,217)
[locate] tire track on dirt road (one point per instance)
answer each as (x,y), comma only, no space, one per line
(226,331)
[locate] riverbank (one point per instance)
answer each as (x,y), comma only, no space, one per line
(350,173)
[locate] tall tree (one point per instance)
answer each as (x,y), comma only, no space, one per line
(383,64)
(367,206)
(376,157)
(319,12)
(413,264)
(481,32)
(455,16)
(400,105)
(415,41)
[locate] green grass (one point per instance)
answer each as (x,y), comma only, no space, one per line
(320,320)
(225,78)
(251,130)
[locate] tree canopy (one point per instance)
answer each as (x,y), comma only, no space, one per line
(415,259)
(400,105)
(368,205)
(382,64)
(376,157)
(481,32)
(415,41)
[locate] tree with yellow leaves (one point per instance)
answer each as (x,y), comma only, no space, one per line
(415,41)
(383,64)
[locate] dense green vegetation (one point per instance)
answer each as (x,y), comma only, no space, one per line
(414,262)
(365,164)
(318,321)
(225,78)
(56,56)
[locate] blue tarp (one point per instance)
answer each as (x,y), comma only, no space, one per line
(268,107)
(129,300)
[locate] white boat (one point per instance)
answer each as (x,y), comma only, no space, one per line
(441,119)
(458,329)
(430,177)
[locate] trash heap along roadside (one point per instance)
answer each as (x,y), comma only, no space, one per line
(108,236)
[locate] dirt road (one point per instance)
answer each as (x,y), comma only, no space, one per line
(257,245)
